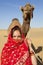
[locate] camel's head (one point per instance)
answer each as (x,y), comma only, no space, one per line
(27,11)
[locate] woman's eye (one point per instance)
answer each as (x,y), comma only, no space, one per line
(19,36)
(16,36)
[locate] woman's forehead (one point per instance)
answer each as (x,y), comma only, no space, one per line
(16,32)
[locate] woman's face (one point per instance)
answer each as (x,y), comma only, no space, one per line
(16,35)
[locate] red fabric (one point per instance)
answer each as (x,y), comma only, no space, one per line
(15,53)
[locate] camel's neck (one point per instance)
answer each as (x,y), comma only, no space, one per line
(26,21)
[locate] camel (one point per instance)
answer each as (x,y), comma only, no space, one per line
(27,11)
(27,15)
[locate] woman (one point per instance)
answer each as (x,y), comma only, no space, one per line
(16,51)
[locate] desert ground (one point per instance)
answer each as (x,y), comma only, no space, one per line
(35,34)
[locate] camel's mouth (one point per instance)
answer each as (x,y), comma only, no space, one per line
(27,16)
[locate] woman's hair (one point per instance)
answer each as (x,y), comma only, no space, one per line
(14,29)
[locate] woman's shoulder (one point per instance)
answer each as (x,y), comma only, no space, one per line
(6,44)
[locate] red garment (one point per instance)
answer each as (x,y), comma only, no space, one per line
(15,53)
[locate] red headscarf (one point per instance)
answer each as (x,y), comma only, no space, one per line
(15,53)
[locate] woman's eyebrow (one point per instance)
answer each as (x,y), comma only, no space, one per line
(17,36)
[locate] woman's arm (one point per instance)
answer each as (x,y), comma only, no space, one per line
(33,57)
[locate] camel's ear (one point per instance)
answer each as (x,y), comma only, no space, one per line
(22,9)
(32,8)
